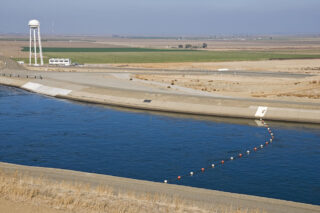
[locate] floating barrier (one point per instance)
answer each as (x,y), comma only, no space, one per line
(221,162)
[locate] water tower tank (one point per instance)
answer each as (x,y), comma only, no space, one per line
(34,23)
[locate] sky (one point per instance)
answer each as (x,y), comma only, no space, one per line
(162,17)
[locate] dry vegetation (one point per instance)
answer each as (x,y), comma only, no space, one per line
(41,193)
(277,43)
(295,89)
(311,66)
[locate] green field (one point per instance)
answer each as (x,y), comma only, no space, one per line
(143,55)
(163,57)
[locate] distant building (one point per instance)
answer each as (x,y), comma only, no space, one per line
(60,61)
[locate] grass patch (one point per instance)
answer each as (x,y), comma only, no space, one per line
(148,55)
(174,56)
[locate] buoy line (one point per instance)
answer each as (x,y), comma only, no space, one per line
(231,158)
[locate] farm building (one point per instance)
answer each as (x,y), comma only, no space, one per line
(60,61)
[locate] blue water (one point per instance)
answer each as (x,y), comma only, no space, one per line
(41,131)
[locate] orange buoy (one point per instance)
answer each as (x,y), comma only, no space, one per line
(255,148)
(240,155)
(179,177)
(267,143)
(222,161)
(202,169)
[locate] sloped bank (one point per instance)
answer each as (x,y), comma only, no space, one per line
(269,110)
(70,189)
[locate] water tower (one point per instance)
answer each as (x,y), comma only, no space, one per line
(35,26)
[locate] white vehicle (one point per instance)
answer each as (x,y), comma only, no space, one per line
(60,61)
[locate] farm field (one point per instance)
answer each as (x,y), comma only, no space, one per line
(95,50)
(121,49)
(145,55)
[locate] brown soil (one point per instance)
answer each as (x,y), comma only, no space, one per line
(25,194)
(294,89)
(295,66)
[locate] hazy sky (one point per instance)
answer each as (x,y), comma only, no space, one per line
(162,17)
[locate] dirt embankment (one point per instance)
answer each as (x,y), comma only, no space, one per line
(294,66)
(21,193)
(275,88)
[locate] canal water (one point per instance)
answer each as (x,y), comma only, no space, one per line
(41,131)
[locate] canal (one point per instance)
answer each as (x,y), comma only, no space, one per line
(41,131)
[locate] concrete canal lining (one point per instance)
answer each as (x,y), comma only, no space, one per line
(177,103)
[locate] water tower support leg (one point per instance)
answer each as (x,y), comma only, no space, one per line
(30,53)
(35,46)
(40,47)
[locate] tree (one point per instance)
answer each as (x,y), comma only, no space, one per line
(204,45)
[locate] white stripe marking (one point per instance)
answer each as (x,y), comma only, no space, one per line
(223,69)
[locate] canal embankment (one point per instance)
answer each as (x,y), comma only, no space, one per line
(168,101)
(40,186)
